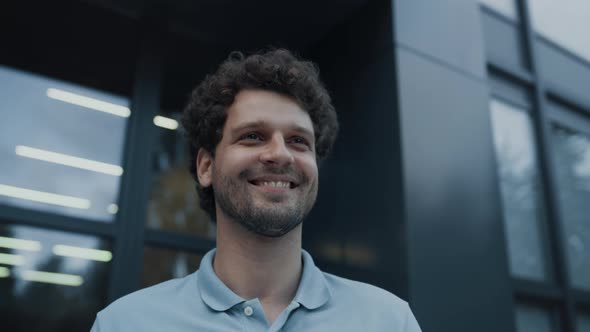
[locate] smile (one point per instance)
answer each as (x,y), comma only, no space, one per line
(274,183)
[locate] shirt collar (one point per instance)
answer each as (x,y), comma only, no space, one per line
(213,291)
(312,293)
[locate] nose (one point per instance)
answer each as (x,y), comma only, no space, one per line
(276,152)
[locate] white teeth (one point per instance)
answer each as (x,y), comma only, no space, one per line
(279,184)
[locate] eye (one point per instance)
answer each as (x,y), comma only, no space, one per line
(251,137)
(300,141)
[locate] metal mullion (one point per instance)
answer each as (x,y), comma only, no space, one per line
(180,241)
(543,132)
(508,100)
(570,118)
(22,216)
(550,304)
(136,181)
(539,290)
(497,15)
(558,94)
(521,76)
(582,297)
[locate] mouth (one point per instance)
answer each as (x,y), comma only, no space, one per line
(274,183)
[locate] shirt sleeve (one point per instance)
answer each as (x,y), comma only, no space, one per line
(411,324)
(96,325)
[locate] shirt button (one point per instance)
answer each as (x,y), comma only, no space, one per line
(248,311)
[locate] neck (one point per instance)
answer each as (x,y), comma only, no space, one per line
(255,266)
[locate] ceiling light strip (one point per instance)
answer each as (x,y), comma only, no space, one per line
(19,244)
(44,197)
(113,208)
(10,259)
(67,160)
(4,272)
(52,278)
(91,103)
(164,122)
(84,253)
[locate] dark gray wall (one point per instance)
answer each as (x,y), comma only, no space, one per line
(458,278)
(413,175)
(503,41)
(563,73)
(359,203)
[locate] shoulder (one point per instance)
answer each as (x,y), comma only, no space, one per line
(381,310)
(150,304)
(368,300)
(362,292)
(164,291)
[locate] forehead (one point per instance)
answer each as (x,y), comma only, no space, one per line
(270,108)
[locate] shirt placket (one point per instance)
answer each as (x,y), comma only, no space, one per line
(251,315)
(282,319)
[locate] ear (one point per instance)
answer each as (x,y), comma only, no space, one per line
(204,167)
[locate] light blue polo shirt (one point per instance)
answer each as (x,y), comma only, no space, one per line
(202,302)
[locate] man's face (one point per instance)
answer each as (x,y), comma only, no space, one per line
(264,174)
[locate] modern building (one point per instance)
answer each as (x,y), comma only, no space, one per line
(460,180)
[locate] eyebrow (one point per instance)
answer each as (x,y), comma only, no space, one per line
(262,123)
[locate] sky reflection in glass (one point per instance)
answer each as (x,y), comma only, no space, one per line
(58,156)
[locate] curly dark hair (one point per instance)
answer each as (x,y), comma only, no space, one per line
(275,70)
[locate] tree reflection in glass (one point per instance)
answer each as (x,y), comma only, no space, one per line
(521,191)
(174,204)
(572,155)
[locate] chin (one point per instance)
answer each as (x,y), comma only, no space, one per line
(276,233)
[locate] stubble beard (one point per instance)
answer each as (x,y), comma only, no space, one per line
(271,218)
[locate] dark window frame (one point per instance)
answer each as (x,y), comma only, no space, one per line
(561,296)
(127,233)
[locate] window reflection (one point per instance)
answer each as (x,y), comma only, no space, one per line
(583,322)
(564,22)
(58,283)
(520,190)
(61,147)
(572,151)
(347,252)
(533,318)
(505,7)
(174,204)
(164,264)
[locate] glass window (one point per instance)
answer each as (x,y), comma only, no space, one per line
(51,281)
(572,155)
(174,203)
(505,7)
(524,216)
(583,322)
(164,264)
(565,23)
(531,318)
(61,146)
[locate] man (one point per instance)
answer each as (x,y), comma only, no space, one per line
(257,129)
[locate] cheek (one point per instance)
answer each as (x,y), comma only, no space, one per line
(310,168)
(233,161)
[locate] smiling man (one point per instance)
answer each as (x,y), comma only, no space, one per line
(257,129)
